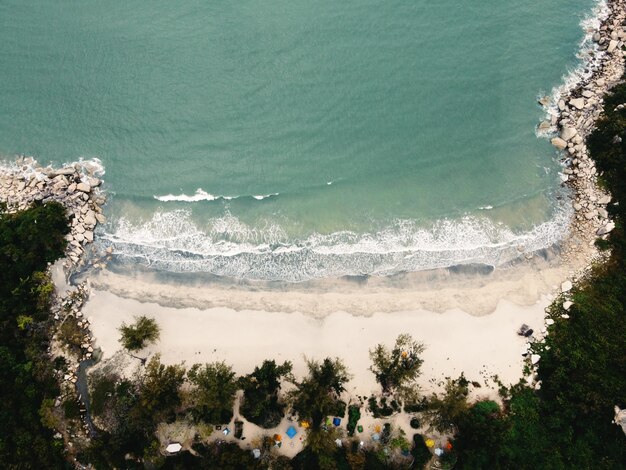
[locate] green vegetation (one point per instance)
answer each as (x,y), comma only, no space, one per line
(399,368)
(214,392)
(354,415)
(261,403)
(29,240)
(136,336)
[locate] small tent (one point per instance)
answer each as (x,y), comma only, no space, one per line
(173,448)
(291,432)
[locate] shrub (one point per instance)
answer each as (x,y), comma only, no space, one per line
(135,337)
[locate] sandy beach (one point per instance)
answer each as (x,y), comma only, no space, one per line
(455,341)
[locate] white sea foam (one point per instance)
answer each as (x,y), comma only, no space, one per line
(173,241)
(264,196)
(202,195)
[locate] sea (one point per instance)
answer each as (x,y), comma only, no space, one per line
(297,140)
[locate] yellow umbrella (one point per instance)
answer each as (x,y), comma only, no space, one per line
(430,443)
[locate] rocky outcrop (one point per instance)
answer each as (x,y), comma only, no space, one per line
(75,186)
(574,118)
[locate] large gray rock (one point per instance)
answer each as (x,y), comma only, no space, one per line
(578,103)
(568,133)
(612,45)
(566,286)
(63,171)
(84,187)
(608,228)
(90,218)
(559,143)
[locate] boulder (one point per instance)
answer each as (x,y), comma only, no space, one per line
(606,229)
(568,133)
(588,93)
(90,218)
(612,45)
(84,187)
(544,100)
(100,218)
(559,143)
(88,236)
(567,304)
(578,103)
(566,286)
(534,358)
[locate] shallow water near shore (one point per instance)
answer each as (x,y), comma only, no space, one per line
(291,142)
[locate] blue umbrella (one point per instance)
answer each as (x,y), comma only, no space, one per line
(291,432)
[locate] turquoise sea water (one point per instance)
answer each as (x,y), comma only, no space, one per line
(294,140)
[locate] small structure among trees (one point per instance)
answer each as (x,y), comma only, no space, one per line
(137,335)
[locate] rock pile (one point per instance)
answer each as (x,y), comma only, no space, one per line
(75,186)
(577,114)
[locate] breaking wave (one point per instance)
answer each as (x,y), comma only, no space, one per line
(173,241)
(202,195)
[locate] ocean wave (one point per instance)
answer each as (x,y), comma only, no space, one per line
(173,241)
(202,195)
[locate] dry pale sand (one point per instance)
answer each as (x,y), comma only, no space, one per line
(479,346)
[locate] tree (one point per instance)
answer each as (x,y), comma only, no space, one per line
(398,368)
(29,239)
(214,392)
(135,337)
(260,403)
(445,411)
(159,388)
(317,396)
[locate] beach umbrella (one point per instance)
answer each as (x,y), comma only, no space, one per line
(430,443)
(376,436)
(291,432)
(336,421)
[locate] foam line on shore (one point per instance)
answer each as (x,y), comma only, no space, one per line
(173,241)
